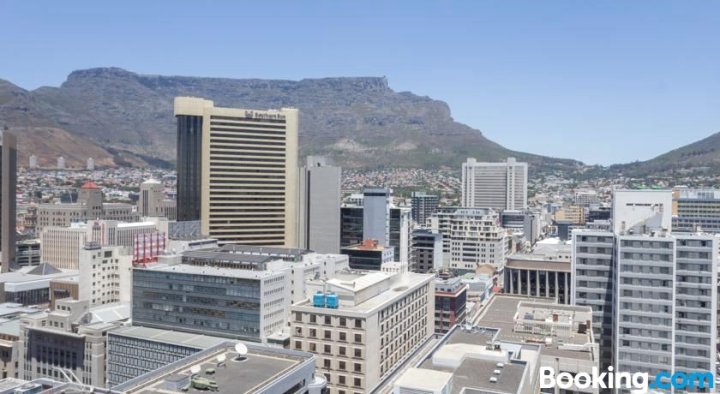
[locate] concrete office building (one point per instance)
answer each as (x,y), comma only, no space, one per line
(105,275)
(33,162)
(423,206)
(376,214)
(31,285)
(240,167)
(476,239)
(8,205)
(450,303)
(68,341)
(440,222)
(494,185)
(378,321)
(135,351)
(261,370)
(545,272)
(425,251)
(237,291)
(319,224)
(152,201)
(89,206)
(696,210)
(351,225)
(526,222)
(60,246)
(400,230)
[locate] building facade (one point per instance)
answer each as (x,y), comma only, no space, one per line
(423,206)
(244,177)
(8,205)
(476,239)
(376,214)
(450,303)
(319,224)
(379,322)
(494,185)
(426,253)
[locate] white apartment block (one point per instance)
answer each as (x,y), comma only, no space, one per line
(105,275)
(379,321)
(494,185)
(476,239)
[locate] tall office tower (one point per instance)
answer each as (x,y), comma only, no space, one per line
(696,210)
(494,185)
(376,214)
(351,225)
(8,183)
(33,162)
(476,239)
(666,306)
(152,195)
(61,163)
(90,165)
(239,167)
(423,206)
(319,221)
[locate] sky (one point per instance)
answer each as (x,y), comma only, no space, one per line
(599,81)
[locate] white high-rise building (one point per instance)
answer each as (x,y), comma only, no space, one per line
(61,163)
(239,167)
(494,185)
(33,162)
(476,239)
(319,222)
(61,246)
(150,201)
(90,165)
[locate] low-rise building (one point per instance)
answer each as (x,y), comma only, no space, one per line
(450,303)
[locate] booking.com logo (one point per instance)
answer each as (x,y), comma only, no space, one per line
(641,381)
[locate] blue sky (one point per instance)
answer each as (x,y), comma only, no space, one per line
(598,81)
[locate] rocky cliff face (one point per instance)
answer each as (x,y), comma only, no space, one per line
(360,122)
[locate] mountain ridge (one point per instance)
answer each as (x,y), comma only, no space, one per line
(126,118)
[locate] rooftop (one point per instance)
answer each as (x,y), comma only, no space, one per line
(501,312)
(207,270)
(170,337)
(253,374)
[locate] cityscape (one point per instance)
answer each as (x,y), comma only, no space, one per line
(165,234)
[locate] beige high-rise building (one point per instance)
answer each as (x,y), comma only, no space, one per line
(245,179)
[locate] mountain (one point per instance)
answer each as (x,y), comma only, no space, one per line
(699,156)
(123,118)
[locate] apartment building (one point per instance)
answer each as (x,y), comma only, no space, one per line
(476,239)
(364,327)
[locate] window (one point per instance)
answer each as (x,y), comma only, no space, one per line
(341,350)
(341,365)
(313,333)
(358,323)
(328,320)
(358,338)
(327,349)
(341,379)
(326,363)
(358,353)
(358,367)
(298,345)
(343,322)
(313,319)
(343,336)
(328,334)
(358,383)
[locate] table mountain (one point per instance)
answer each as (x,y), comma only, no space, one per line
(123,118)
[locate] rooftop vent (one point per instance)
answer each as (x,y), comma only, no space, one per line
(493,379)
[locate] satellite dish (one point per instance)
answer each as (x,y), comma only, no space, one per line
(195,369)
(221,358)
(241,349)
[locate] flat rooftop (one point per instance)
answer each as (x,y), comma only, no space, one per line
(475,373)
(538,264)
(171,337)
(500,313)
(209,270)
(251,375)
